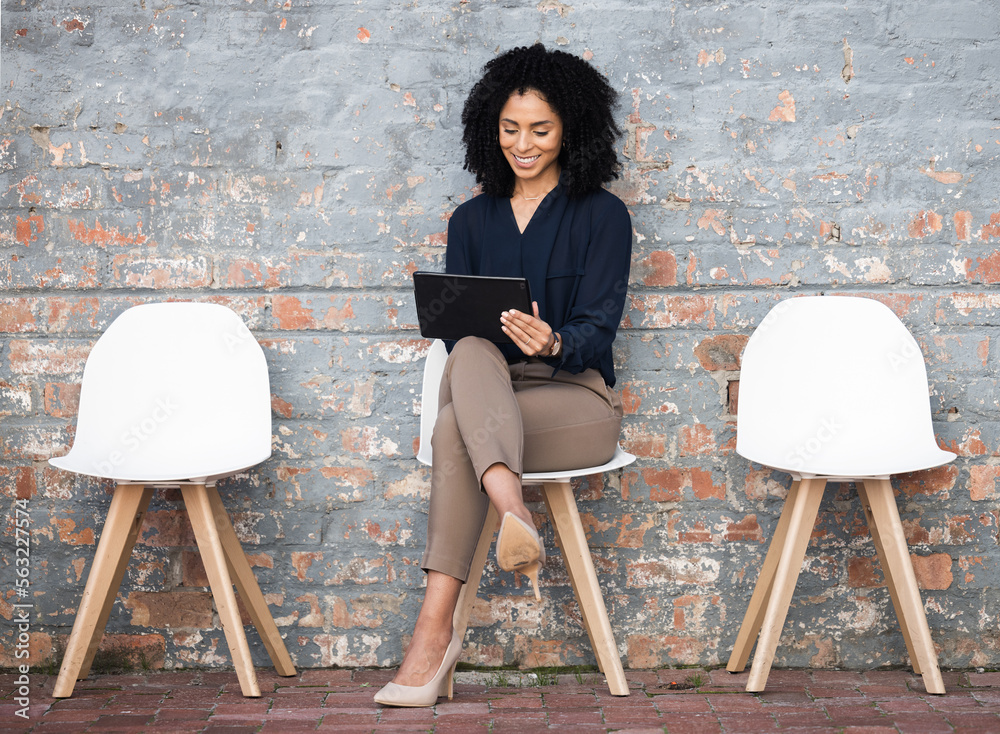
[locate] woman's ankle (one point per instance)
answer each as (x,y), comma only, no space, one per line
(423,658)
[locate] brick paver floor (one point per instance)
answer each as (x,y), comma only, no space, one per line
(869,702)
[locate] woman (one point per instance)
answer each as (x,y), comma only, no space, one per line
(540,137)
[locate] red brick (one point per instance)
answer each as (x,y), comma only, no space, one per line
(241,272)
(27,230)
(17,482)
(666,485)
(747,529)
(721,352)
(72,314)
(17,315)
(62,399)
(40,650)
(696,440)
(938,481)
(923,224)
(15,399)
(302,560)
(162,272)
(170,609)
(645,445)
(98,235)
(864,573)
(47,358)
(658,269)
(983,482)
(291,313)
(933,571)
(662,311)
(991,230)
(692,606)
(167,528)
(66,529)
(963,225)
(652,651)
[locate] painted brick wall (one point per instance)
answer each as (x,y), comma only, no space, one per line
(297,161)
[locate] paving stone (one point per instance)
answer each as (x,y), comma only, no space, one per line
(875,702)
(175,714)
(984,679)
(735,703)
(668,703)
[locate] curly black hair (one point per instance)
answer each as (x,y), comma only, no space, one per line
(578,93)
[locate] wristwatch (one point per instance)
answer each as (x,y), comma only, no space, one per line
(557,347)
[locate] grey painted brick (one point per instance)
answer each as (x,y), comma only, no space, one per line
(172,185)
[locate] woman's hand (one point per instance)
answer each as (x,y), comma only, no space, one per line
(532,335)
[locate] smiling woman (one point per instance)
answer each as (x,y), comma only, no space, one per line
(539,135)
(531,139)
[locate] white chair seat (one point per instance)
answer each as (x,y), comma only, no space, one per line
(621,459)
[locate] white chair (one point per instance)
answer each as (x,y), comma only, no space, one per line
(572,540)
(173,394)
(834,389)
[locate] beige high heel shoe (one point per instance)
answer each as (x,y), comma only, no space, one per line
(520,549)
(442,684)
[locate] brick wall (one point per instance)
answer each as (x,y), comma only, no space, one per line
(297,162)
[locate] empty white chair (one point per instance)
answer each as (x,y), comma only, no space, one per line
(572,540)
(173,394)
(834,389)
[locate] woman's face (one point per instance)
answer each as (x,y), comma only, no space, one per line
(531,138)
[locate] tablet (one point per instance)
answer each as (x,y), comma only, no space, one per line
(454,306)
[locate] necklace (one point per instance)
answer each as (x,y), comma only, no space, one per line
(534,198)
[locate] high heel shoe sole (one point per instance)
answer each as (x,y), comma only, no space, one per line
(520,549)
(518,546)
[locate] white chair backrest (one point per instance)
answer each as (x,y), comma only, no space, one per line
(433,369)
(172,391)
(835,386)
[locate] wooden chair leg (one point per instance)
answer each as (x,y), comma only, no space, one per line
(467,597)
(121,528)
(580,566)
(754,617)
(895,557)
(212,555)
(571,572)
(886,571)
(804,510)
(248,588)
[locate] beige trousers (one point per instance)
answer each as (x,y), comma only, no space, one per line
(519,415)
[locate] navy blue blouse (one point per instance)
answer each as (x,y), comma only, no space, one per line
(575,254)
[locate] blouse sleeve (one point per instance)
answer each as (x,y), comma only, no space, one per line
(600,301)
(456,256)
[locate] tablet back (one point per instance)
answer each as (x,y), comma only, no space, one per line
(454,306)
